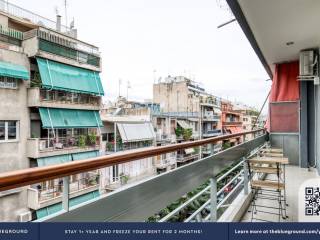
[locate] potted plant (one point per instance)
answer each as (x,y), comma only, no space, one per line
(186,134)
(82,141)
(92,138)
(123,178)
(179,131)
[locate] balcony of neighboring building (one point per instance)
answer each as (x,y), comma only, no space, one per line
(112,147)
(210,149)
(211,116)
(11,38)
(49,193)
(39,147)
(38,97)
(58,131)
(56,46)
(187,155)
(211,132)
(232,123)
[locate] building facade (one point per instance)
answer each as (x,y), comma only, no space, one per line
(187,112)
(51,95)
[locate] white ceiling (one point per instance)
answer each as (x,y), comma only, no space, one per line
(276,22)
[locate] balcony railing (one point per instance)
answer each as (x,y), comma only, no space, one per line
(64,46)
(45,194)
(179,114)
(181,158)
(127,146)
(29,16)
(212,133)
(68,97)
(66,143)
(185,179)
(213,117)
(232,123)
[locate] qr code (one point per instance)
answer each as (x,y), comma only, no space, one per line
(312,201)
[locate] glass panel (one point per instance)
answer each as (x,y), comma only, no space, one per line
(2,130)
(12,130)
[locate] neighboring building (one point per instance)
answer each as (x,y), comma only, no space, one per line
(184,105)
(231,122)
(127,126)
(51,94)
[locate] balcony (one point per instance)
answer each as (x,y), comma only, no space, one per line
(212,102)
(62,48)
(232,123)
(28,16)
(212,133)
(166,163)
(60,99)
(40,198)
(45,147)
(183,158)
(210,116)
(12,37)
(185,115)
(112,148)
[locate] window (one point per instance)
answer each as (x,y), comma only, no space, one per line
(8,82)
(115,173)
(104,137)
(8,131)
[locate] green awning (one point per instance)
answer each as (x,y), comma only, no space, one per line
(14,71)
(60,76)
(69,118)
(44,212)
(47,161)
(84,155)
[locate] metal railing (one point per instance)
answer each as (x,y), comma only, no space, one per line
(68,97)
(214,132)
(112,147)
(232,123)
(178,114)
(19,178)
(234,183)
(63,143)
(56,190)
(155,192)
(29,16)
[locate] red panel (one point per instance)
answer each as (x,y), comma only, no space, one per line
(284,117)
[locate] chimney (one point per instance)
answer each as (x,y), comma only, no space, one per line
(58,24)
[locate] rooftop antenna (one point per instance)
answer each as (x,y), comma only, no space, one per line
(120,82)
(128,86)
(65,11)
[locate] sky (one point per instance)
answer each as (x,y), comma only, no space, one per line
(143,40)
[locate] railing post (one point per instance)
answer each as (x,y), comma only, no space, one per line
(211,149)
(213,198)
(245,178)
(65,194)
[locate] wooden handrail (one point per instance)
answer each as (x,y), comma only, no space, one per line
(24,177)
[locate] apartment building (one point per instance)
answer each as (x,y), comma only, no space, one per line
(127,125)
(187,112)
(231,122)
(51,94)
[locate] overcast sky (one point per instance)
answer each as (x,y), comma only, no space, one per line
(143,39)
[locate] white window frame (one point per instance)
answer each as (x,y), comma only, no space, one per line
(115,177)
(6,135)
(6,84)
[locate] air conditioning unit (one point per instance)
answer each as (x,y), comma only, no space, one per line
(25,217)
(308,66)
